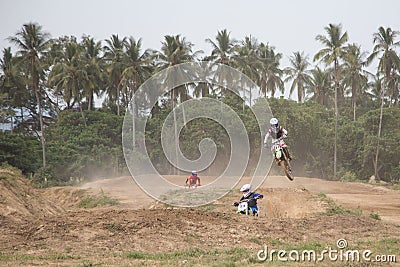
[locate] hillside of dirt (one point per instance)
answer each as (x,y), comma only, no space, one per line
(20,201)
(49,227)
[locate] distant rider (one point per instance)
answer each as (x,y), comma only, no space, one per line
(193,180)
(251,197)
(277,133)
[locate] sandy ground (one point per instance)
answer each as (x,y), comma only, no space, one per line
(365,197)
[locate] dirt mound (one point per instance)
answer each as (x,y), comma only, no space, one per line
(67,197)
(20,200)
(369,199)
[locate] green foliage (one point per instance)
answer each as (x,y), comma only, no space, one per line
(79,151)
(375,216)
(22,152)
(333,209)
(389,152)
(94,201)
(91,150)
(44,178)
(348,177)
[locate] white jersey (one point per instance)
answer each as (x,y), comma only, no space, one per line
(275,136)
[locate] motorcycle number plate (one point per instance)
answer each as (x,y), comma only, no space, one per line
(242,206)
(278,153)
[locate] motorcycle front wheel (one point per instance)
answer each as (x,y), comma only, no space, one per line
(286,169)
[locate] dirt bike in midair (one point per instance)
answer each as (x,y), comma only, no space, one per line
(281,157)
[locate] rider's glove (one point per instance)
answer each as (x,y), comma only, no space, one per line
(284,136)
(235,204)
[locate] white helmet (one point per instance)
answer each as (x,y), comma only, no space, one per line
(246,189)
(274,124)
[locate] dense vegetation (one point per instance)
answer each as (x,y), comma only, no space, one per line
(345,123)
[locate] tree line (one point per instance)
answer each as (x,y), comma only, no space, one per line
(48,78)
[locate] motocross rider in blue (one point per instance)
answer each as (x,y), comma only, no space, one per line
(251,197)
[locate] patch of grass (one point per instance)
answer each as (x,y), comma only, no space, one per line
(256,240)
(27,257)
(384,246)
(16,257)
(58,256)
(138,255)
(114,227)
(390,245)
(6,176)
(316,246)
(94,201)
(229,257)
(375,216)
(275,242)
(88,264)
(395,187)
(333,209)
(348,177)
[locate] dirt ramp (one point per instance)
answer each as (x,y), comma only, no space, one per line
(67,197)
(290,203)
(20,200)
(367,198)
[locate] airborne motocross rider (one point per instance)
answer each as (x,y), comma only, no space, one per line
(276,132)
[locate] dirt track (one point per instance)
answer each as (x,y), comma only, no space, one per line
(54,231)
(364,197)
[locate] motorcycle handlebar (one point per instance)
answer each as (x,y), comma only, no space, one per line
(248,199)
(277,140)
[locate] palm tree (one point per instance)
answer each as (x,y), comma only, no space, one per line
(354,75)
(222,48)
(246,60)
(221,53)
(12,82)
(384,45)
(331,53)
(175,50)
(94,68)
(114,55)
(299,73)
(137,68)
(205,74)
(33,44)
(271,73)
(320,86)
(69,76)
